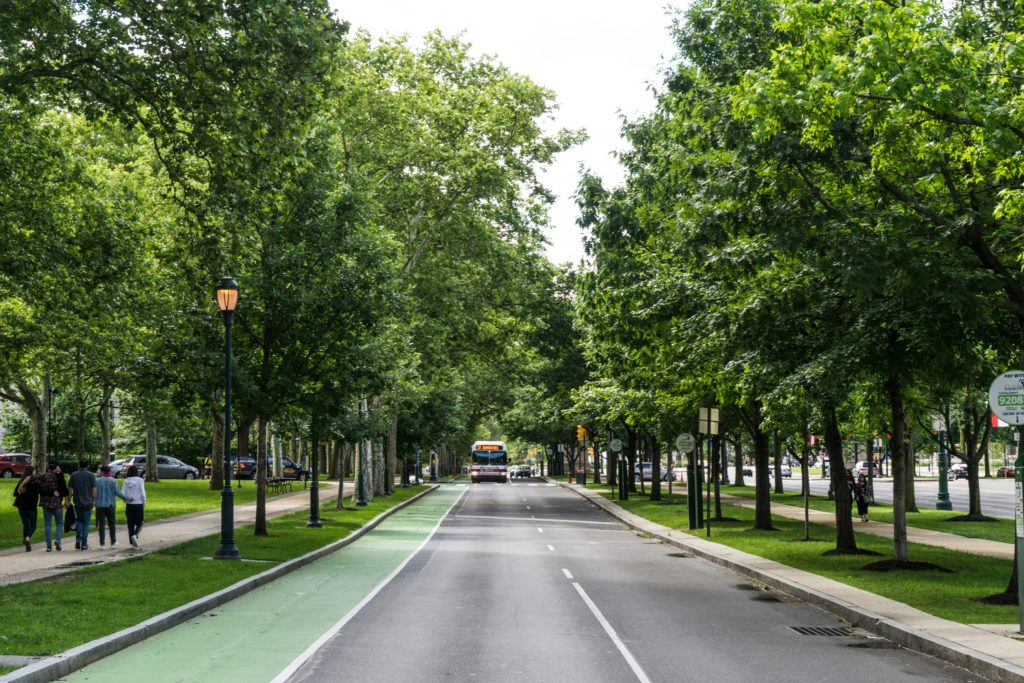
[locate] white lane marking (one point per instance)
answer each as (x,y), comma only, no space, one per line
(527,507)
(626,654)
(551,548)
(539,530)
(546,519)
(567,573)
(289,670)
(534,484)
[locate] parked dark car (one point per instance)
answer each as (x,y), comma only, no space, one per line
(957,471)
(166,467)
(293,470)
(1008,471)
(13,464)
(244,466)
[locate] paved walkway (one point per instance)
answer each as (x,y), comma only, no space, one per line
(976,546)
(17,566)
(995,651)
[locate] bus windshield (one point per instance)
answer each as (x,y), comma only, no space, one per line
(490,458)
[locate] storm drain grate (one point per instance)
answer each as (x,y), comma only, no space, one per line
(821,631)
(83,563)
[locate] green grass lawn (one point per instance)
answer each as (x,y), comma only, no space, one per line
(935,520)
(96,601)
(167,498)
(950,596)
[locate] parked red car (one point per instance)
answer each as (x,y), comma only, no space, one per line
(14,464)
(1008,471)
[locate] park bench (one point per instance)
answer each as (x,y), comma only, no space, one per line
(279,485)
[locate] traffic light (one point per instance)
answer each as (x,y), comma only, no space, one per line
(581,432)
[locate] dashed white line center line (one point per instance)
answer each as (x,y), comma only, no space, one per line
(539,530)
(567,573)
(551,548)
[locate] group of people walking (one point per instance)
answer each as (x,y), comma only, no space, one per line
(69,504)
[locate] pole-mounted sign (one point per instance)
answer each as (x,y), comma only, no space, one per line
(1006,399)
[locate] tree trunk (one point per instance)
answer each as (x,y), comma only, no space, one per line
(716,472)
(103,413)
(762,461)
(737,452)
(261,475)
(342,447)
(152,471)
(846,540)
(80,410)
(631,444)
(654,455)
(894,392)
(242,435)
(35,407)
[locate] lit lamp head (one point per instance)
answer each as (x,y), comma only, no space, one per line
(227,295)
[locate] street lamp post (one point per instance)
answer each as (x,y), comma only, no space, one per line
(433,465)
(419,466)
(314,487)
(942,502)
(227,300)
(364,413)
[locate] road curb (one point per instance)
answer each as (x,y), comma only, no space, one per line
(52,668)
(899,633)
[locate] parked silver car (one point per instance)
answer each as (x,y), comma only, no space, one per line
(166,467)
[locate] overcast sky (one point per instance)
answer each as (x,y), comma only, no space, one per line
(598,56)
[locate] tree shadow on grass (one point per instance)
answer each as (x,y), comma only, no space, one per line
(851,551)
(905,566)
(998,599)
(972,518)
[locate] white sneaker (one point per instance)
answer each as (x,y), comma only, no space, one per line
(113,545)
(134,540)
(102,547)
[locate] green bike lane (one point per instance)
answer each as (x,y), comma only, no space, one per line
(260,635)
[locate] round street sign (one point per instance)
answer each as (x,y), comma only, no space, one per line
(615,445)
(550,452)
(1006,397)
(685,442)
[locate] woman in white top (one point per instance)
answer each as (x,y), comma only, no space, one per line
(134,491)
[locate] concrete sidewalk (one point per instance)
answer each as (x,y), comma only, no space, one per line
(17,566)
(995,651)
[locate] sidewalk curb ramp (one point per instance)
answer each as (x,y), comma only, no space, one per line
(761,570)
(56,666)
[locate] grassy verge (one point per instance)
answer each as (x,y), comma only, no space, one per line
(167,498)
(1001,530)
(97,601)
(935,520)
(948,595)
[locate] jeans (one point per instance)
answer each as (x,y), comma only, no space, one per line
(29,517)
(133,512)
(105,515)
(48,518)
(82,526)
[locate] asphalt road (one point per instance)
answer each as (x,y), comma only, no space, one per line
(527,582)
(997,495)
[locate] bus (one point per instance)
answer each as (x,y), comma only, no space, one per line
(489,461)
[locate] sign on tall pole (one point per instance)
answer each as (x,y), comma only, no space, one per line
(1006,399)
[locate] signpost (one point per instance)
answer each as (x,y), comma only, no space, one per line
(615,446)
(1006,399)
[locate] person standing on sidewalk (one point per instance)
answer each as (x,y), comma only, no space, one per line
(107,494)
(53,494)
(26,499)
(83,495)
(860,494)
(134,494)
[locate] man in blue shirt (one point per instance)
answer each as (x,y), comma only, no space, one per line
(83,496)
